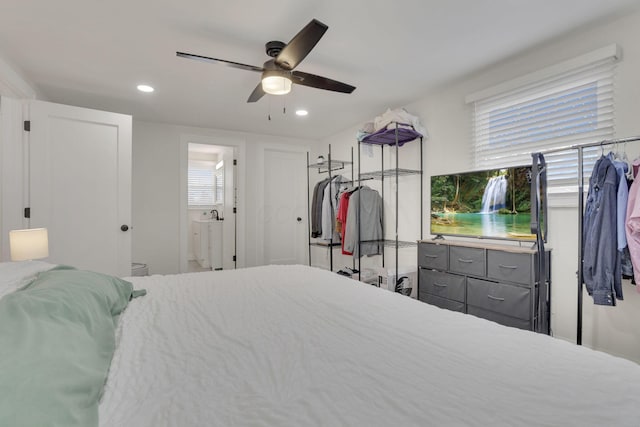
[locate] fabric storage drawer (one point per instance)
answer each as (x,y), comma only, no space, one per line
(500,298)
(444,285)
(433,256)
(467,260)
(499,318)
(442,302)
(508,266)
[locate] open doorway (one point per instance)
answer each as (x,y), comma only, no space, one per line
(211,203)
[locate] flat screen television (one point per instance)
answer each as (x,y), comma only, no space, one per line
(491,204)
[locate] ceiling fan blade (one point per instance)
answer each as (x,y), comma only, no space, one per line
(301,44)
(311,80)
(257,93)
(220,61)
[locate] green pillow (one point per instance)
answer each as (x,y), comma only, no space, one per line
(57,338)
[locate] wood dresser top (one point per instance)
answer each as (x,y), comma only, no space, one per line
(525,247)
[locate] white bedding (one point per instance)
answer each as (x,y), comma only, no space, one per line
(14,275)
(298,346)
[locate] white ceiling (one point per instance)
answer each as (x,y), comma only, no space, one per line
(93,53)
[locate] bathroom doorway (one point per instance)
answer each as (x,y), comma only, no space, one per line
(211,207)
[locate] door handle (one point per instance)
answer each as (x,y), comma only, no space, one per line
(124,227)
(298,219)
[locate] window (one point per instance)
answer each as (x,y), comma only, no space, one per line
(563,106)
(202,182)
(219,180)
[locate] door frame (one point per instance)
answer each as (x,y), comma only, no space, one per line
(240,146)
(259,224)
(14,170)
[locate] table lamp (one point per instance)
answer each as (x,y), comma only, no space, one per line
(29,244)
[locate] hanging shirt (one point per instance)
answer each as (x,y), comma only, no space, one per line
(364,221)
(341,217)
(633,225)
(600,259)
(316,208)
(622,200)
(329,207)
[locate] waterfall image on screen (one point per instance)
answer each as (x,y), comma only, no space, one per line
(495,193)
(491,204)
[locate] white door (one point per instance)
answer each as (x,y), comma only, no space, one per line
(285,214)
(80,185)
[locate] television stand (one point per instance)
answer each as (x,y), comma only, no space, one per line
(438,237)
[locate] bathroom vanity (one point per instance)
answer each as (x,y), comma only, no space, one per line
(207,243)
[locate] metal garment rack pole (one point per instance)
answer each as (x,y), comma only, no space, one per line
(353,260)
(308,213)
(397,199)
(421,190)
(382,188)
(358,218)
(331,206)
(580,149)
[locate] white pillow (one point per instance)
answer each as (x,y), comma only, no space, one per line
(14,275)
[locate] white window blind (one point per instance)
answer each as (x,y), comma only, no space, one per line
(575,106)
(219,178)
(201,183)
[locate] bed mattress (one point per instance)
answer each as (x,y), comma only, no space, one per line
(299,346)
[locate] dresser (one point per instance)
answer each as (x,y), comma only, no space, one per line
(495,282)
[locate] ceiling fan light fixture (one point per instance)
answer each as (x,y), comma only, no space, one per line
(276,83)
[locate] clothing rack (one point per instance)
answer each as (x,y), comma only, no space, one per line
(327,166)
(394,139)
(580,148)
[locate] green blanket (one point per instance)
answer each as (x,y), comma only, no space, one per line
(57,338)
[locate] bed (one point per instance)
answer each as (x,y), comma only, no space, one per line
(300,346)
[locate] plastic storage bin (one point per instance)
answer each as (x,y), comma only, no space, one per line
(388,279)
(139,269)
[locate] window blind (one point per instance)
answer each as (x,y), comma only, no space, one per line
(201,183)
(220,186)
(570,108)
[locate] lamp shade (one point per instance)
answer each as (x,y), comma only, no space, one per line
(29,244)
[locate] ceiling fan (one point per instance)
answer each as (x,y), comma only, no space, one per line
(277,73)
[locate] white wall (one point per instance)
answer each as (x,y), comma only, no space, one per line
(444,112)
(156,191)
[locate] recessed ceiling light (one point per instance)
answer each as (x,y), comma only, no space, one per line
(301,112)
(145,88)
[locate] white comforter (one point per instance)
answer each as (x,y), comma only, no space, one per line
(297,346)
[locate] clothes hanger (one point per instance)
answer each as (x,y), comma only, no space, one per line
(621,156)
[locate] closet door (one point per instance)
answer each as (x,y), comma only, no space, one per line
(80,185)
(285,213)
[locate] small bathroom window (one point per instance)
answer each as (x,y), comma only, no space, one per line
(202,183)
